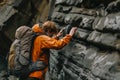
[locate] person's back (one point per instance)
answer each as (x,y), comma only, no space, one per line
(19,57)
(43,43)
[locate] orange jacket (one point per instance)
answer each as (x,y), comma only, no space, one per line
(45,42)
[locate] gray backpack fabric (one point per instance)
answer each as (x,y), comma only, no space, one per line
(19,61)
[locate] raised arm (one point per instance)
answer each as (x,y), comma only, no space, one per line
(52,43)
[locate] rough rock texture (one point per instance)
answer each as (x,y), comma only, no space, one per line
(93,53)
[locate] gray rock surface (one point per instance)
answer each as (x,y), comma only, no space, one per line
(92,54)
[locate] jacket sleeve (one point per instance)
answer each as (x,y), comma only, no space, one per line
(55,37)
(52,43)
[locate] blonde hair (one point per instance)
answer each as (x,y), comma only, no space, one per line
(49,26)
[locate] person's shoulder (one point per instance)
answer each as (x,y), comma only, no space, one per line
(43,37)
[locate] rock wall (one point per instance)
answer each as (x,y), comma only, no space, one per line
(93,53)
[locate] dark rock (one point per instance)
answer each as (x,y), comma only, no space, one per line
(92,54)
(64,9)
(58,17)
(5,13)
(113,7)
(84,11)
(69,2)
(87,22)
(109,23)
(73,19)
(105,39)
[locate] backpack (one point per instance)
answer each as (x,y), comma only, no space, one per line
(19,59)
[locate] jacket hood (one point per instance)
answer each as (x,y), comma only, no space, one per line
(36,28)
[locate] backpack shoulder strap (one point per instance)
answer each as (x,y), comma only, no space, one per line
(32,44)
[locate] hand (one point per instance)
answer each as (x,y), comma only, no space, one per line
(60,32)
(72,31)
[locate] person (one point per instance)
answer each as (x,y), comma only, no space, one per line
(47,40)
